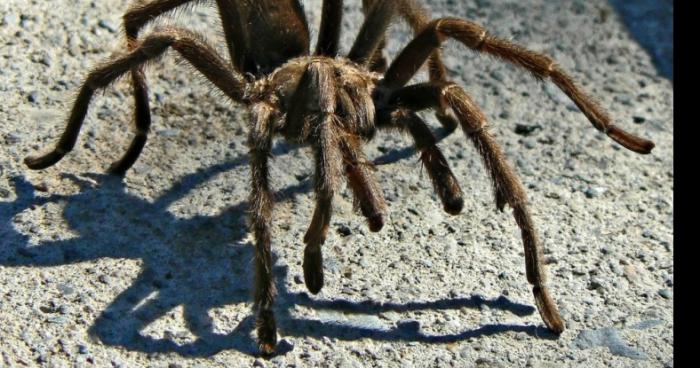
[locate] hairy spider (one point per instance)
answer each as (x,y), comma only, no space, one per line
(334,104)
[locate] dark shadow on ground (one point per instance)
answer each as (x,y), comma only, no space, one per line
(651,23)
(199,263)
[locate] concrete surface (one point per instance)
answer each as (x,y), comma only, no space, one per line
(154,270)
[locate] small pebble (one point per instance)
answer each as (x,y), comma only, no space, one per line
(594,285)
(12,138)
(638,119)
(83,349)
(344,230)
(666,293)
(526,130)
(10,19)
(59,320)
(33,96)
(109,26)
(41,187)
(66,289)
(594,192)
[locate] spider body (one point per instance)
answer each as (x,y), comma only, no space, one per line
(253,31)
(334,104)
(349,89)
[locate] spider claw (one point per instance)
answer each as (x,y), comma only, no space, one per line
(629,141)
(454,205)
(501,206)
(500,201)
(267,332)
(376,222)
(116,169)
(313,271)
(548,310)
(42,162)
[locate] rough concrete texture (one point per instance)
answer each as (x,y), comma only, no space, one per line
(154,270)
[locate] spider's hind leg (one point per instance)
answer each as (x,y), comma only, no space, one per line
(138,15)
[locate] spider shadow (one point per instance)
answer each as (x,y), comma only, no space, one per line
(200,263)
(650,22)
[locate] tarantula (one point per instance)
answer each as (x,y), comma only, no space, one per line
(335,104)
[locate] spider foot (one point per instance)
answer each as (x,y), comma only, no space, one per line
(548,310)
(267,332)
(117,169)
(313,270)
(630,141)
(42,162)
(443,179)
(376,222)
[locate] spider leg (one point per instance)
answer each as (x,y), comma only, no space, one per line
(378,62)
(442,178)
(312,117)
(507,186)
(328,159)
(141,13)
(418,19)
(368,195)
(371,35)
(136,17)
(261,205)
(329,33)
(541,66)
(189,45)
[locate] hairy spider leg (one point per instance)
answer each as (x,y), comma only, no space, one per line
(329,31)
(372,31)
(507,187)
(134,19)
(443,180)
(358,171)
(239,48)
(188,44)
(541,66)
(261,205)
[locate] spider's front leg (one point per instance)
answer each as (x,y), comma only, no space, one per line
(507,187)
(477,38)
(317,89)
(189,45)
(328,159)
(312,116)
(261,204)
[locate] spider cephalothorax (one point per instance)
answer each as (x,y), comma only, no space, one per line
(334,104)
